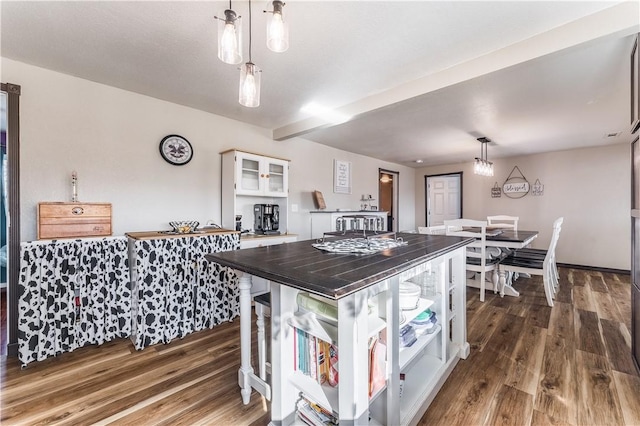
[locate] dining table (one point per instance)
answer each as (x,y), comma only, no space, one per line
(506,240)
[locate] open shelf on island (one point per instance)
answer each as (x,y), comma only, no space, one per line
(314,325)
(409,353)
(416,386)
(409,315)
(325,395)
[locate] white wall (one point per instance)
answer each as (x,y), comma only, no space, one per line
(589,187)
(111,136)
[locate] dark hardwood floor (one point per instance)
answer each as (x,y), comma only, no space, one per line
(529,365)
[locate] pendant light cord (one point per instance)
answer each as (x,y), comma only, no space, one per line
(250,31)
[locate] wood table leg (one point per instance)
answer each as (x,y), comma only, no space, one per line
(506,289)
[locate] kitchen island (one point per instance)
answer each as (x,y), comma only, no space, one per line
(365,290)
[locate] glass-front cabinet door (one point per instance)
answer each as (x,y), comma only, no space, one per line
(248,171)
(277,184)
(261,176)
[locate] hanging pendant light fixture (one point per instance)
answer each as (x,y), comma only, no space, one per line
(482,166)
(277,29)
(230,37)
(249,90)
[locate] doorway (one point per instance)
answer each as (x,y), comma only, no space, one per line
(4,206)
(389,197)
(4,213)
(443,198)
(11,222)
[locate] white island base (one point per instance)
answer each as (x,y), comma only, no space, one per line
(425,365)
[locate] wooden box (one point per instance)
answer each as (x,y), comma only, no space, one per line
(72,220)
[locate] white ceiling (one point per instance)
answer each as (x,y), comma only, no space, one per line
(423,79)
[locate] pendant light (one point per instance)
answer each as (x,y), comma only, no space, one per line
(249,90)
(482,166)
(230,37)
(277,29)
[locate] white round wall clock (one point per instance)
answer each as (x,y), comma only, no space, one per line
(176,150)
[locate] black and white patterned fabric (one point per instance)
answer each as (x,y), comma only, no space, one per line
(176,291)
(78,292)
(72,293)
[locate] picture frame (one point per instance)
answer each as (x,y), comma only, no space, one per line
(318,200)
(341,177)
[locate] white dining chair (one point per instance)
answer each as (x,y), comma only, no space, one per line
(478,261)
(517,262)
(540,254)
(432,230)
(503,221)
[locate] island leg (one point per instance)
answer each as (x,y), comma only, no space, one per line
(262,347)
(246,370)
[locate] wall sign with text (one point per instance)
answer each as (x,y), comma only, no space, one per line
(537,188)
(516,185)
(342,177)
(496,191)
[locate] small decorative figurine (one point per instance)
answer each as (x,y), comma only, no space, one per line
(74,186)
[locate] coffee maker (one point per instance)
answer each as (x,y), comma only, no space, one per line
(266,219)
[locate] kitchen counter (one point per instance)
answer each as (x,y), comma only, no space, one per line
(153,235)
(348,211)
(175,290)
(333,275)
(265,237)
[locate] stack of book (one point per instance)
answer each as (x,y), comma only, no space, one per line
(314,415)
(316,358)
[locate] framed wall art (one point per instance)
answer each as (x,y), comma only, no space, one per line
(341,177)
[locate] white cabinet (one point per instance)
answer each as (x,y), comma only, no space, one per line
(249,179)
(251,241)
(370,312)
(261,176)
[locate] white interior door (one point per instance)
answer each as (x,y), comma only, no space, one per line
(443,199)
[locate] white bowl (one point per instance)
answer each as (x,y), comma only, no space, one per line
(184,226)
(409,296)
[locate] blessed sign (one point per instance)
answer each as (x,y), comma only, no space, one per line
(515,188)
(516,185)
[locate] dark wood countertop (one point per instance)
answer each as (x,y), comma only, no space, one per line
(152,235)
(332,275)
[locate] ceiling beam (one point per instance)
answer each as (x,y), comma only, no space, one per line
(617,21)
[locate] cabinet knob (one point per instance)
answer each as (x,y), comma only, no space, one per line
(267,176)
(262,175)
